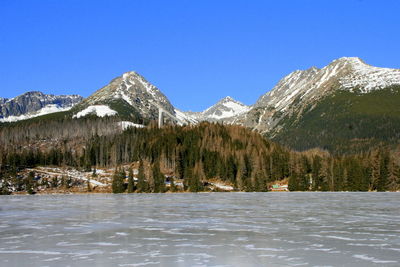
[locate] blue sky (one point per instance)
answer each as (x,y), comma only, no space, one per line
(195,52)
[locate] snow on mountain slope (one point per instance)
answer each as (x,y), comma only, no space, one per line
(347,73)
(224,109)
(98,110)
(369,78)
(134,90)
(184,118)
(52,108)
(140,96)
(33,104)
(303,87)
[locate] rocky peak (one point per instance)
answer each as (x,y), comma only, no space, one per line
(34,101)
(302,88)
(136,91)
(224,108)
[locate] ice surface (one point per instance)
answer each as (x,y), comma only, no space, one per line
(206,229)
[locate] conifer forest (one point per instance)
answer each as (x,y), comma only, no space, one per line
(193,154)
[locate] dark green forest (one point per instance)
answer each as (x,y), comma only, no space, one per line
(194,154)
(345,122)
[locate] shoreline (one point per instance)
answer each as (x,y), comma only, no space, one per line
(184,192)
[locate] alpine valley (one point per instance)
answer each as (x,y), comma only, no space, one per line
(334,128)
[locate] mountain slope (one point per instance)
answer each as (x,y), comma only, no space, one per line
(131,97)
(224,109)
(33,104)
(345,122)
(312,101)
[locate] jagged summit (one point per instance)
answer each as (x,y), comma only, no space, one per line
(226,99)
(347,73)
(302,88)
(225,108)
(131,97)
(349,60)
(131,90)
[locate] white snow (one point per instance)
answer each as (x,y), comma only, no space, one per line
(98,110)
(73,174)
(223,186)
(126,98)
(184,118)
(350,72)
(128,124)
(225,108)
(367,78)
(51,108)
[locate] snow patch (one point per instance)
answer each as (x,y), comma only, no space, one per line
(184,118)
(98,110)
(368,78)
(128,124)
(51,108)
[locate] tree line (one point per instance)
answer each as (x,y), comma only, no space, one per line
(207,151)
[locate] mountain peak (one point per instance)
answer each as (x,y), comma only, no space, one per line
(353,62)
(133,90)
(227,98)
(224,108)
(350,59)
(129,74)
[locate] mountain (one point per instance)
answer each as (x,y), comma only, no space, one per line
(346,105)
(224,109)
(33,104)
(131,97)
(345,102)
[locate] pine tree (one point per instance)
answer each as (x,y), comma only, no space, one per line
(384,171)
(159,180)
(118,185)
(293,184)
(195,184)
(142,185)
(131,185)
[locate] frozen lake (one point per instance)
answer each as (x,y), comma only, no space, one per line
(207,229)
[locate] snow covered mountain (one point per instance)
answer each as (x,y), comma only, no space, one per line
(33,104)
(347,100)
(224,109)
(301,88)
(131,97)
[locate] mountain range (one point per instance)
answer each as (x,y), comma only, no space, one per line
(347,103)
(33,104)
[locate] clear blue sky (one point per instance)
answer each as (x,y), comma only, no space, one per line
(196,52)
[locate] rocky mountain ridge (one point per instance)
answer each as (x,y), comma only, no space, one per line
(224,109)
(292,106)
(35,103)
(132,97)
(296,91)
